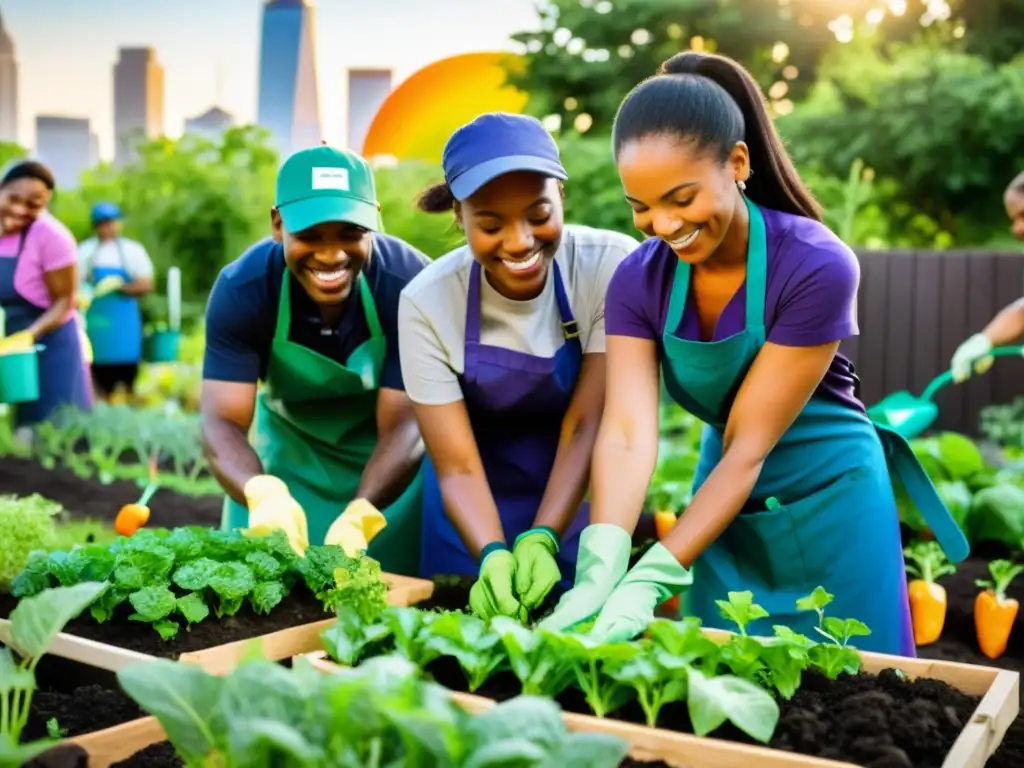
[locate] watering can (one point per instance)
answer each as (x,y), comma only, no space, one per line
(19,372)
(909,415)
(162,346)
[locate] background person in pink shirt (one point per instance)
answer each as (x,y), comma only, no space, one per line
(38,276)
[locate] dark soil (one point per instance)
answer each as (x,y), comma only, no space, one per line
(82,699)
(160,755)
(90,499)
(300,607)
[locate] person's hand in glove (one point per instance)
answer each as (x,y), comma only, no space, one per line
(655,578)
(601,564)
(972,356)
(84,298)
(17,342)
(272,508)
(108,285)
(536,571)
(492,593)
(356,527)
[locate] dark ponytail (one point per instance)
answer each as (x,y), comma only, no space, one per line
(436,199)
(714,102)
(28,169)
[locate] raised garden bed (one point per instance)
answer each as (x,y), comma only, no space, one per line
(927,715)
(216,645)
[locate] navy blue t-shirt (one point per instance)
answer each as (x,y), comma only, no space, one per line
(241,314)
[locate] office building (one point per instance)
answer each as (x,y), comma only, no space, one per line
(289,104)
(367,89)
(138,101)
(68,146)
(211,124)
(8,86)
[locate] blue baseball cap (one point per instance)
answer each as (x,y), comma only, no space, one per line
(105,212)
(494,144)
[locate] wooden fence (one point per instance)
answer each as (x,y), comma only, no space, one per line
(915,307)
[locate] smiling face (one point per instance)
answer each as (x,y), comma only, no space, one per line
(513,227)
(21,202)
(687,198)
(325,259)
(1014,202)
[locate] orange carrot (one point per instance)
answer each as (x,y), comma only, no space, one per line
(131,518)
(994,612)
(664,521)
(927,562)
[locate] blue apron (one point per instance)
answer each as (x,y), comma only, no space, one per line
(62,376)
(114,321)
(837,525)
(516,403)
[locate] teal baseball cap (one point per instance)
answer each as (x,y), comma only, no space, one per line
(326,184)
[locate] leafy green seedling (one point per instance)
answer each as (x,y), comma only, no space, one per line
(836,656)
(533,660)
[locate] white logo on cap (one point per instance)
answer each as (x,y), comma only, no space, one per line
(331,178)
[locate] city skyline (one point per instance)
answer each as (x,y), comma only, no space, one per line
(67,51)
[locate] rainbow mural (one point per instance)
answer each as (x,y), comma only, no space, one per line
(416,119)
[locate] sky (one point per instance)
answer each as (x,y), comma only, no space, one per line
(67,49)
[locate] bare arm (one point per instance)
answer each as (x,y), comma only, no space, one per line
(460,472)
(627,442)
(138,287)
(61,285)
(1008,326)
(570,474)
(227,410)
(396,458)
(775,390)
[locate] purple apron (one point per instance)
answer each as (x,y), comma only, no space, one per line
(516,404)
(61,367)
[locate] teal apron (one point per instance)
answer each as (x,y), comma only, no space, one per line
(836,526)
(316,427)
(114,322)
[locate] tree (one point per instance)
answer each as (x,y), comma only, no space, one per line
(589,53)
(9,152)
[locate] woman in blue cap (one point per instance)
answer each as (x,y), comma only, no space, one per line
(502,348)
(37,291)
(115,271)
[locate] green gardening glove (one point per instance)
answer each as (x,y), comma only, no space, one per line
(972,356)
(108,285)
(492,594)
(601,564)
(655,578)
(536,569)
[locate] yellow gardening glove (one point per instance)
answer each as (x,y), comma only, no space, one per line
(272,508)
(108,285)
(356,527)
(17,342)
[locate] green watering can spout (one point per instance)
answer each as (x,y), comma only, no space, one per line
(909,415)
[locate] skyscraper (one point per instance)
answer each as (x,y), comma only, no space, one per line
(67,145)
(138,100)
(8,87)
(289,103)
(367,89)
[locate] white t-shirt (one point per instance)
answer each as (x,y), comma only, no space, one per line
(432,312)
(121,252)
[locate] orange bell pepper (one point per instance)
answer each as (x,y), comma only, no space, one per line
(131,518)
(927,562)
(994,612)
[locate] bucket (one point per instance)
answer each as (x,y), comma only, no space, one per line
(161,347)
(19,376)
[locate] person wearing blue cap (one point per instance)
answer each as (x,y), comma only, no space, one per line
(115,271)
(312,313)
(502,345)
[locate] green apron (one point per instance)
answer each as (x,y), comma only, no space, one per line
(316,427)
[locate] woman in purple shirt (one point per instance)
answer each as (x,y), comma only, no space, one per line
(740,298)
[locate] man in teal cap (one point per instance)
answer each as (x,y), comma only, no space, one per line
(311,313)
